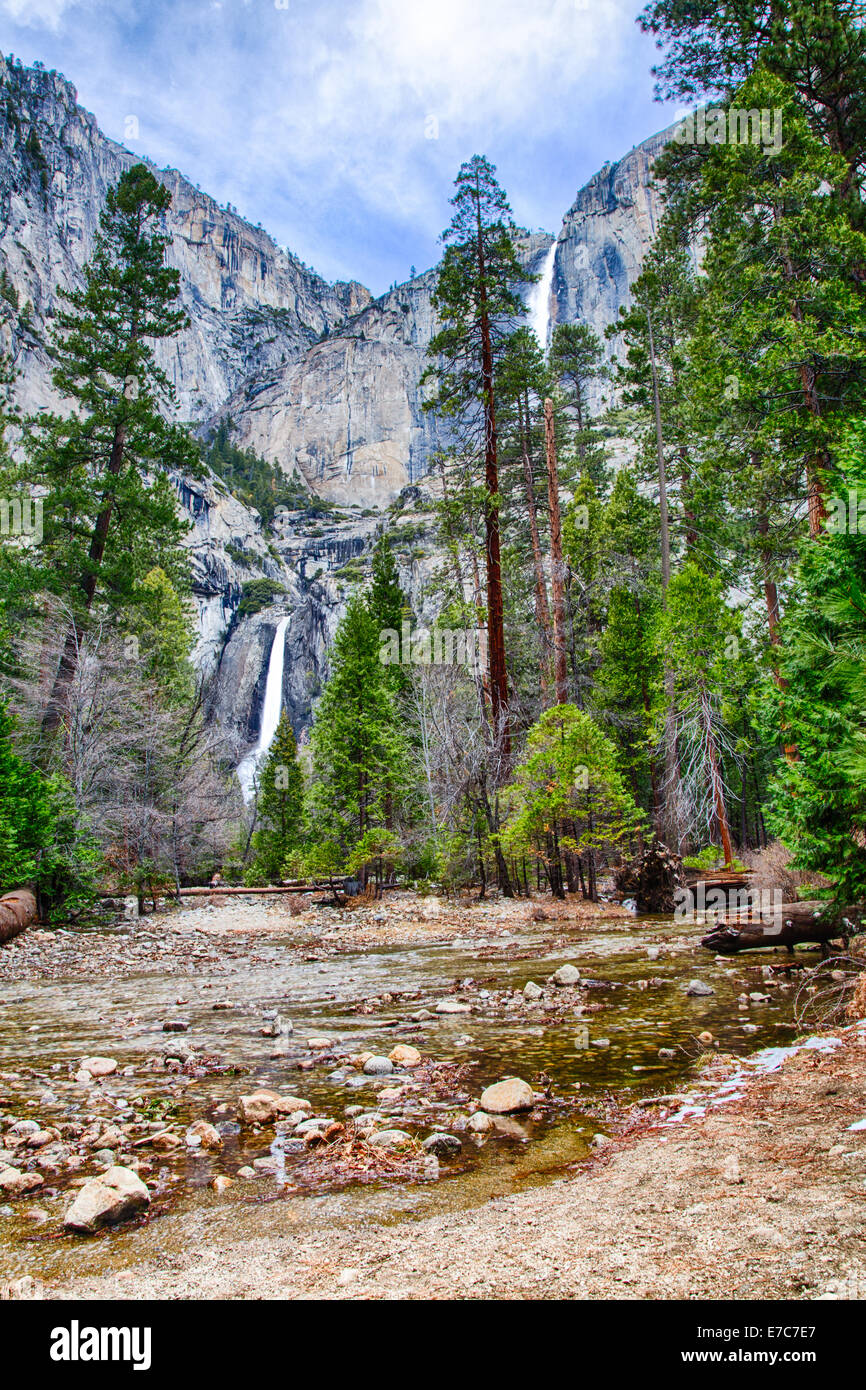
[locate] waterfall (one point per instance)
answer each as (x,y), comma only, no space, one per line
(538,301)
(271,710)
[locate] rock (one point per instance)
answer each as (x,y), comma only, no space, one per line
(98,1066)
(320,1042)
(107,1157)
(600,1042)
(115,1196)
(176,1025)
(600,1141)
(750,1028)
(221,1183)
(207,1134)
(443,1145)
(565,975)
(391,1139)
(246,1172)
(731,1169)
(508,1096)
(532,991)
(758,998)
(263,1107)
(378,1066)
(667,1052)
(14,1183)
(480,1123)
(404,1055)
(698,988)
(23,1288)
(452,1006)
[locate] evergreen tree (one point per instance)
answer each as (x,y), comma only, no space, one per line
(280,804)
(476,298)
(358,741)
(112,509)
(568,799)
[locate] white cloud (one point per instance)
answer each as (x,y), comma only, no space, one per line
(37,13)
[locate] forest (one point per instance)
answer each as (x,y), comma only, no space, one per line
(661,550)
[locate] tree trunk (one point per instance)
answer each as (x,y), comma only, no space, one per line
(495,616)
(542,610)
(560,668)
(69,659)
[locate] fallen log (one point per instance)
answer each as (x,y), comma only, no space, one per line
(17,911)
(225,891)
(792,924)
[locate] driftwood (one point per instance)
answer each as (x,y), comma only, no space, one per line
(652,879)
(796,924)
(17,911)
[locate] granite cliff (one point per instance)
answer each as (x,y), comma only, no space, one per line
(321,379)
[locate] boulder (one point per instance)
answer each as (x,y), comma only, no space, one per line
(480,1123)
(452,1006)
(99,1066)
(391,1139)
(378,1066)
(698,988)
(566,975)
(14,1183)
(263,1107)
(532,991)
(404,1055)
(207,1134)
(114,1196)
(508,1096)
(443,1145)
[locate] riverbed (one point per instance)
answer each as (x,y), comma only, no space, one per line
(344,984)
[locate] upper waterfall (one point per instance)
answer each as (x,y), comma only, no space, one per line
(538,300)
(271,710)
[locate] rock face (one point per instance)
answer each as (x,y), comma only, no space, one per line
(115,1196)
(604,238)
(250,303)
(321,379)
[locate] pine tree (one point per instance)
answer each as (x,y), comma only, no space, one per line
(111,512)
(476,299)
(577,363)
(568,799)
(358,741)
(280,804)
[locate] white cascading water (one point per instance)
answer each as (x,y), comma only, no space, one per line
(271,710)
(538,300)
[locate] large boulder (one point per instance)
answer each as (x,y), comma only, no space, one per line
(566,975)
(115,1195)
(508,1096)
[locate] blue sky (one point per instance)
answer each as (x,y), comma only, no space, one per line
(340,124)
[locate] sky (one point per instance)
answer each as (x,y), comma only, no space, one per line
(340,124)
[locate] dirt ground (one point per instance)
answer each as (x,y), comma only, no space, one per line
(762,1197)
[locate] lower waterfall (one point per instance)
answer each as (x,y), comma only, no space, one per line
(271,709)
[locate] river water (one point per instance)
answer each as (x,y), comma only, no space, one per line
(633,1002)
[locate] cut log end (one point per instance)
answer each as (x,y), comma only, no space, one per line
(17,913)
